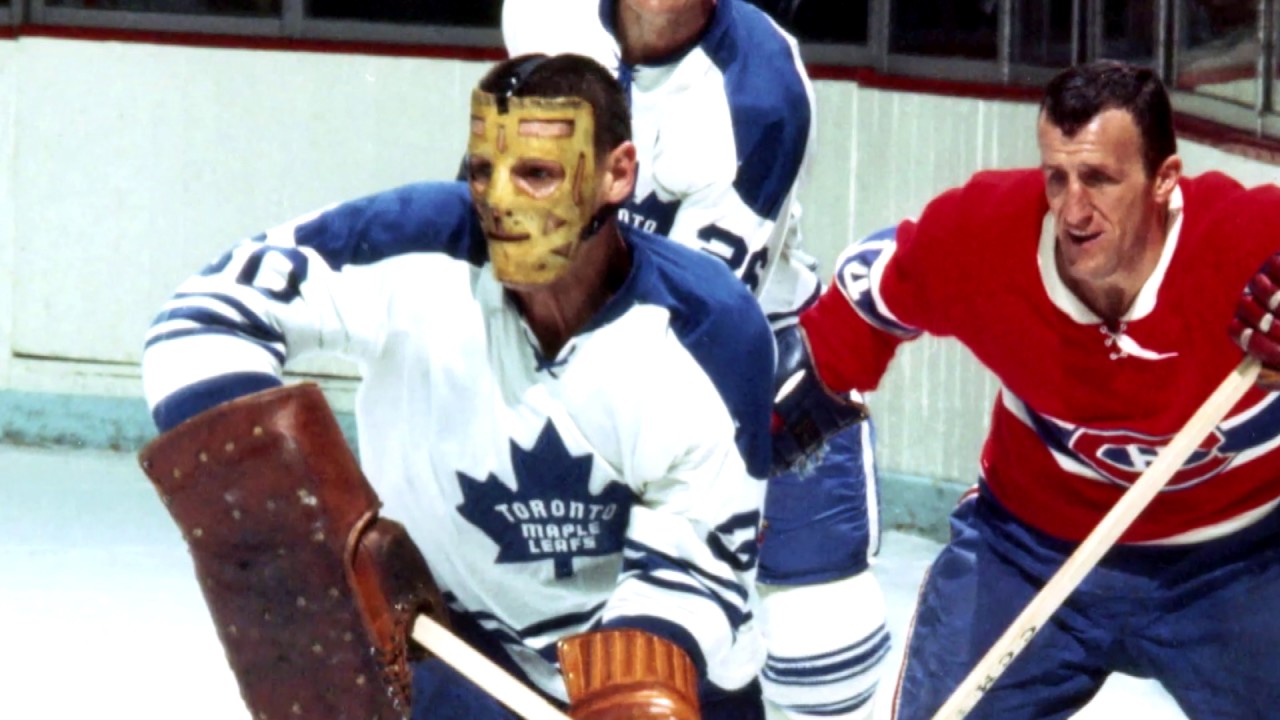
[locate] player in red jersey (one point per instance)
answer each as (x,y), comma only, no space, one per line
(1099,288)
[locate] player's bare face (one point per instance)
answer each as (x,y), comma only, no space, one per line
(1103,203)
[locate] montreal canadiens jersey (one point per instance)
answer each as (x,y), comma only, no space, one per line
(1083,406)
(616,483)
(723,134)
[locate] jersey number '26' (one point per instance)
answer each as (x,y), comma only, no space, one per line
(733,249)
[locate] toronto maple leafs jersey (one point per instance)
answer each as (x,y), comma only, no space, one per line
(723,133)
(1084,406)
(616,483)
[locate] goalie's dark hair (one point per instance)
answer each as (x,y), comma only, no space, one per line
(1076,95)
(567,76)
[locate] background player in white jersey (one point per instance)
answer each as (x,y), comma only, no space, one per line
(570,417)
(1099,288)
(723,120)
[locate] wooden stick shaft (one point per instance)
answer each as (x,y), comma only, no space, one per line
(1103,537)
(477,668)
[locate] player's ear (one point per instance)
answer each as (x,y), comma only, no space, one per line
(1166,179)
(618,174)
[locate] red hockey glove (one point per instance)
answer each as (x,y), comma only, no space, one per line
(1256,325)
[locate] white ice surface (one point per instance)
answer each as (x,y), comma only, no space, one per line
(101,617)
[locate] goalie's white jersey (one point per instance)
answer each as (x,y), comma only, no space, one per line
(723,135)
(617,483)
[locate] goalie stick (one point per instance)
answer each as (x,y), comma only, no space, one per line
(483,672)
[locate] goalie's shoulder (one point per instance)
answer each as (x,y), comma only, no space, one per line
(698,289)
(417,217)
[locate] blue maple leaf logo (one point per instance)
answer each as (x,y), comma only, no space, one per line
(552,513)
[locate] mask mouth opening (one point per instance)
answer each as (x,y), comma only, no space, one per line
(502,238)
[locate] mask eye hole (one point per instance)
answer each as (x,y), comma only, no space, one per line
(538,177)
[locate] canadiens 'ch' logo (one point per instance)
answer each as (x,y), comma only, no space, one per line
(551,514)
(1123,456)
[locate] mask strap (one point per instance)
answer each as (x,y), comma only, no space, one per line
(598,220)
(514,79)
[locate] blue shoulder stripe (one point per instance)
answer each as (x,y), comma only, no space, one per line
(421,217)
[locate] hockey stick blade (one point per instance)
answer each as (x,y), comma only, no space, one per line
(1099,541)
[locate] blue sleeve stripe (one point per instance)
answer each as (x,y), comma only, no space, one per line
(552,625)
(491,637)
(644,557)
(198,397)
(558,623)
(833,709)
(236,304)
(156,339)
(735,615)
(275,351)
(497,629)
(666,630)
(740,521)
(250,325)
(741,557)
(832,666)
(648,569)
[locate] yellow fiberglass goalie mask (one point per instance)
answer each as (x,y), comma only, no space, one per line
(533,181)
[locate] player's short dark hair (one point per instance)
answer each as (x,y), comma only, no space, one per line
(568,76)
(1076,95)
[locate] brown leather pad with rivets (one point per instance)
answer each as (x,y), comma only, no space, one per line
(311,592)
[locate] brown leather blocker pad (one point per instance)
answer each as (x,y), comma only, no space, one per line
(312,594)
(620,674)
